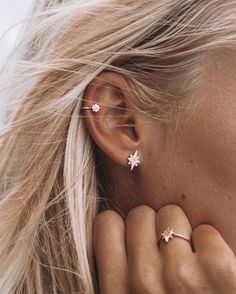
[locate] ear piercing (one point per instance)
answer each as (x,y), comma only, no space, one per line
(95,107)
(133,160)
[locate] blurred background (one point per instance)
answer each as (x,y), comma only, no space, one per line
(11,12)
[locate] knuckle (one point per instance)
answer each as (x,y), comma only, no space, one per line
(108,217)
(141,290)
(208,260)
(204,229)
(141,286)
(143,279)
(228,268)
(170,209)
(218,265)
(179,276)
(140,210)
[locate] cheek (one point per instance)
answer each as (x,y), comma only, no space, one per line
(195,167)
(201,156)
(207,142)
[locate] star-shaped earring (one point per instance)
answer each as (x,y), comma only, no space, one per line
(133,160)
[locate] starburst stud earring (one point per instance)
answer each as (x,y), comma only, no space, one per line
(95,107)
(133,160)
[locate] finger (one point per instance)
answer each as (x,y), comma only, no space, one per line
(110,253)
(173,216)
(207,239)
(143,254)
(215,256)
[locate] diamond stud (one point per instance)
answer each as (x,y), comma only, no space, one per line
(95,107)
(133,160)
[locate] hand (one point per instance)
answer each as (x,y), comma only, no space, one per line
(129,261)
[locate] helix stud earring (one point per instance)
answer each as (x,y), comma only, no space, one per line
(134,160)
(95,107)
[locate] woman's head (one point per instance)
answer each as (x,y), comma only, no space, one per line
(149,64)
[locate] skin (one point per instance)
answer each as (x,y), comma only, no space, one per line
(186,181)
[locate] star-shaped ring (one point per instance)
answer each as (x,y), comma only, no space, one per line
(168,234)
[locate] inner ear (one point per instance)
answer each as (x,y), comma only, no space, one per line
(116,127)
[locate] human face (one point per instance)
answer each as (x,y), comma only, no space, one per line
(196,166)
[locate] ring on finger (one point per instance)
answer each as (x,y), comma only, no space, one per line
(168,234)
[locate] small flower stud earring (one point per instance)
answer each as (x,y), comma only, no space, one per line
(95,107)
(133,160)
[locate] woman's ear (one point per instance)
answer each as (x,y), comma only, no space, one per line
(116,128)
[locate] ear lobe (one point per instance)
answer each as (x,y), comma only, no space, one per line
(114,128)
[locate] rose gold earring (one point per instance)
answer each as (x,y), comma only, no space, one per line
(95,107)
(134,160)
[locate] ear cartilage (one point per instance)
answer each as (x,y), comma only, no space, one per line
(95,107)
(134,160)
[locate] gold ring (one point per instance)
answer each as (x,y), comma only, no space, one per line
(168,234)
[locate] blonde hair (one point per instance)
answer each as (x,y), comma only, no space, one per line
(49,181)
